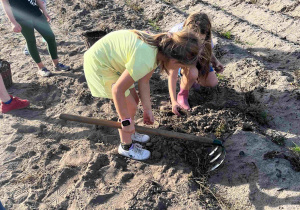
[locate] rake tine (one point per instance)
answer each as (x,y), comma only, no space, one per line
(217,154)
(213,151)
(216,166)
(216,157)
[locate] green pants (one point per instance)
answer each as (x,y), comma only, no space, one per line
(42,26)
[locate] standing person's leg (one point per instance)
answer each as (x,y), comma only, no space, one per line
(43,27)
(9,102)
(45,5)
(28,33)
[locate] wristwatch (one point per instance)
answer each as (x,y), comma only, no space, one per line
(126,122)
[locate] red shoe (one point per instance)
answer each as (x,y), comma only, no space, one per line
(182,99)
(16,103)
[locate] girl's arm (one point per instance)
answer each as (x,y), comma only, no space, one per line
(43,8)
(118,93)
(216,64)
(7,8)
(172,80)
(144,90)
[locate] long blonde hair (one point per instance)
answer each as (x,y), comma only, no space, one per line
(199,22)
(183,46)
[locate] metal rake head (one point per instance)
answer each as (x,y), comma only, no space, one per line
(216,155)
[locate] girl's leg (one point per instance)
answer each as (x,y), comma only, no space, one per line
(188,78)
(210,81)
(132,107)
(28,33)
(127,148)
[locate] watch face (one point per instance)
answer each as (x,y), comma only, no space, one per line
(125,122)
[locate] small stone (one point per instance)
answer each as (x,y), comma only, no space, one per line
(242,154)
(149,144)
(35,167)
(247,127)
(126,177)
(199,151)
(156,155)
(207,128)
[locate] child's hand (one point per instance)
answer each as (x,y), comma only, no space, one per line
(16,27)
(219,68)
(47,17)
(175,109)
(148,117)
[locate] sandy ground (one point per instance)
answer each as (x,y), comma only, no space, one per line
(47,163)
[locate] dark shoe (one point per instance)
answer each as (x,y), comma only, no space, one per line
(61,67)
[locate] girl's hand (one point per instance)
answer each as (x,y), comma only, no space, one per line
(16,27)
(218,67)
(148,117)
(129,128)
(48,17)
(175,108)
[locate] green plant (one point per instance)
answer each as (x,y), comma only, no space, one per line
(153,23)
(296,149)
(221,129)
(278,139)
(257,111)
(227,35)
(220,77)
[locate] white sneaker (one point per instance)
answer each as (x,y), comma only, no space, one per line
(143,138)
(44,72)
(135,152)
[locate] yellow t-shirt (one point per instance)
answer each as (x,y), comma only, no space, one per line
(108,58)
